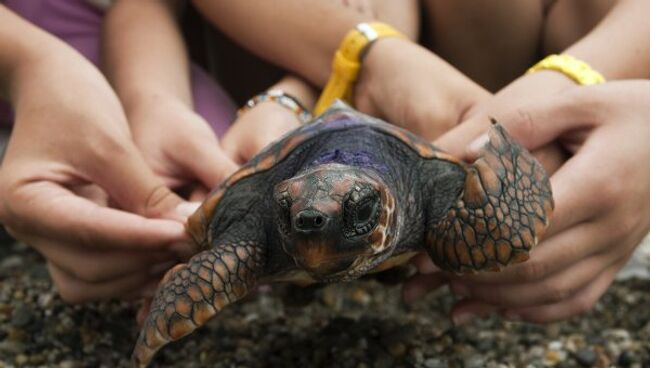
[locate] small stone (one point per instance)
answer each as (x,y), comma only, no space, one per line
(19,295)
(474,361)
(46,300)
(554,357)
(11,262)
(435,363)
(5,309)
(360,296)
(586,357)
(555,345)
(397,349)
(21,359)
(69,364)
(625,359)
(22,315)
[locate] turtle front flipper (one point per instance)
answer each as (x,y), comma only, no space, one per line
(191,294)
(501,213)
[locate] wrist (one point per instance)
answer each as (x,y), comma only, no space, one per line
(274,113)
(145,101)
(447,88)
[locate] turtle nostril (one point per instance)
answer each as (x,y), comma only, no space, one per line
(310,220)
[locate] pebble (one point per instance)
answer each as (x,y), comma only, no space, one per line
(349,325)
(625,359)
(586,357)
(21,359)
(22,315)
(435,363)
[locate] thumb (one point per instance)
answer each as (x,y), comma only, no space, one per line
(129,181)
(207,162)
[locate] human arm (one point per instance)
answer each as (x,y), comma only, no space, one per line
(69,155)
(147,63)
(399,80)
(615,48)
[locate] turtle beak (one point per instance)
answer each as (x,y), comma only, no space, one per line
(321,258)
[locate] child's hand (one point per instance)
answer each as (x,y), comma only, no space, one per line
(254,129)
(70,155)
(527,89)
(178,144)
(602,197)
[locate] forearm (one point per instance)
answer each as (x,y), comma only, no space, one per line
(299,35)
(618,47)
(144,52)
(20,43)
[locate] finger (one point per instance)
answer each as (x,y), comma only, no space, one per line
(467,310)
(125,176)
(76,291)
(143,311)
(198,194)
(424,264)
(70,219)
(456,140)
(97,266)
(552,156)
(420,285)
(207,162)
(579,303)
(536,124)
(553,289)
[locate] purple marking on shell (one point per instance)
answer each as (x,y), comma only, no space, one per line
(358,159)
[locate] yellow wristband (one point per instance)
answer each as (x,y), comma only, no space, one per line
(573,68)
(347,62)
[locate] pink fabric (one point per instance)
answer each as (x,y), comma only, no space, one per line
(79,24)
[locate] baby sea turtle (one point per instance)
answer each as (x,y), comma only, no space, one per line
(344,196)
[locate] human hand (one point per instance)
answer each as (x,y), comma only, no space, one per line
(71,155)
(411,87)
(178,144)
(254,129)
(602,200)
(527,89)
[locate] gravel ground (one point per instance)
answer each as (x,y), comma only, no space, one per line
(361,324)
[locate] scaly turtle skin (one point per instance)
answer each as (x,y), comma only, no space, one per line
(342,197)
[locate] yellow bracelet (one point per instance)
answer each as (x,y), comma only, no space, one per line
(573,68)
(347,62)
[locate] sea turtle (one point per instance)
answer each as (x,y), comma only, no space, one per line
(344,196)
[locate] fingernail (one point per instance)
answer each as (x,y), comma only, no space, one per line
(156,270)
(186,209)
(460,319)
(477,144)
(459,289)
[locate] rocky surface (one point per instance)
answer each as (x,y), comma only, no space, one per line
(361,324)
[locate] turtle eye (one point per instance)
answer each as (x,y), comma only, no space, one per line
(361,212)
(284,202)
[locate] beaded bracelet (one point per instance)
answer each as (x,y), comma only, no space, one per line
(282,98)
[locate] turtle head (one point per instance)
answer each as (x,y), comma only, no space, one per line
(336,221)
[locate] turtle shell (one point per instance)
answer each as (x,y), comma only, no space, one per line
(338,117)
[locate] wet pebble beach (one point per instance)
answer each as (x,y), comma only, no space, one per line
(358,325)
